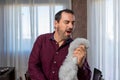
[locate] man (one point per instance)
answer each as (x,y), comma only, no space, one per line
(50,50)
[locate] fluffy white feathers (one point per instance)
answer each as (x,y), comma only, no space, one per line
(69,68)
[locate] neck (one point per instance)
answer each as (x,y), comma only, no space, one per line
(58,39)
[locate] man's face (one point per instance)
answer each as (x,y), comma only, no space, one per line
(65,26)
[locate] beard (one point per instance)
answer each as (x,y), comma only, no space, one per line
(63,34)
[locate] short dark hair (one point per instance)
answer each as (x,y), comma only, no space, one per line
(58,14)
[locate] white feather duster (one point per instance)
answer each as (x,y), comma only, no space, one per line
(69,68)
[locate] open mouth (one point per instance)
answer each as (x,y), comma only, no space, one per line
(69,32)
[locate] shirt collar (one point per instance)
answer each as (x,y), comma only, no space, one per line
(67,41)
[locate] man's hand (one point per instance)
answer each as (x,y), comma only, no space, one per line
(80,53)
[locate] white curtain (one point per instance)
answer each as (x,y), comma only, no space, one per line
(104,35)
(21,21)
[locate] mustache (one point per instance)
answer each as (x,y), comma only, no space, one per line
(69,29)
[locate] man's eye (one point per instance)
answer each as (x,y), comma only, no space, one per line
(66,22)
(73,22)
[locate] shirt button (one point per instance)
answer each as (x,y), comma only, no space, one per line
(54,62)
(53,72)
(56,52)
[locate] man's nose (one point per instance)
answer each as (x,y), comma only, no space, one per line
(71,25)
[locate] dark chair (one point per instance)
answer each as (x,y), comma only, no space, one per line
(27,76)
(97,74)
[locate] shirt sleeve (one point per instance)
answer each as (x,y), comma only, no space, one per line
(34,65)
(84,72)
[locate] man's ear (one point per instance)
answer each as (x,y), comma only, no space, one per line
(55,24)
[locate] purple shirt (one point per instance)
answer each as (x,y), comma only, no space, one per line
(47,57)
